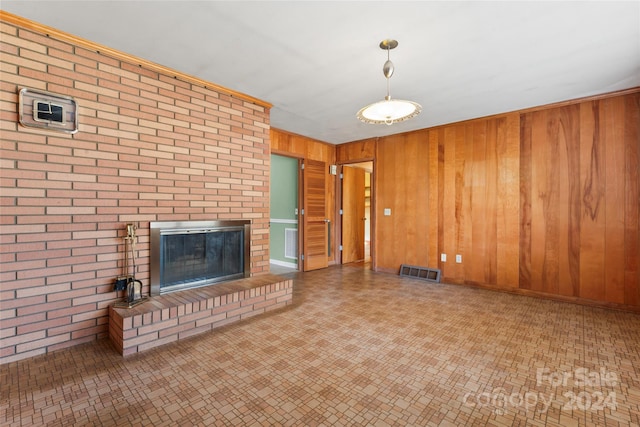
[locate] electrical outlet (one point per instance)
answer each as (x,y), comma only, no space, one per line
(459,259)
(443,257)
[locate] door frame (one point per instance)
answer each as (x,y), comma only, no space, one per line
(338,206)
(331,255)
(299,204)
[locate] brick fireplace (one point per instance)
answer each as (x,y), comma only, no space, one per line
(153,145)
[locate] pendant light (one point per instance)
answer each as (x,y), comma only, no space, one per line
(389,111)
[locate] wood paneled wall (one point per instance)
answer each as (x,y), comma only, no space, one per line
(298,146)
(579,194)
(356,151)
(401,184)
(293,145)
(452,190)
(541,201)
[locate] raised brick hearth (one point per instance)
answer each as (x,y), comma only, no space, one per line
(171,317)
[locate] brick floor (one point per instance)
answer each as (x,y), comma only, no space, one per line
(355,348)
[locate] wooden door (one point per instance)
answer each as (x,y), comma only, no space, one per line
(315,224)
(353,219)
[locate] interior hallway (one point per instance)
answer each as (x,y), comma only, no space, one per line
(355,348)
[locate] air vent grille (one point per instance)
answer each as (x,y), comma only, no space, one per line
(424,273)
(291,243)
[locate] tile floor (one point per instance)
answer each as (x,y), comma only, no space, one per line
(355,348)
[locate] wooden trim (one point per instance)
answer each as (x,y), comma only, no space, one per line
(285,153)
(116,54)
(552,297)
(286,132)
(580,100)
(359,160)
(372,212)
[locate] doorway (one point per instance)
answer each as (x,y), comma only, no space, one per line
(355,213)
(283,222)
(299,228)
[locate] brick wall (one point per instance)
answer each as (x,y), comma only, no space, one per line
(152,146)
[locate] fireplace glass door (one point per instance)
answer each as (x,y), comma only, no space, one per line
(190,255)
(200,258)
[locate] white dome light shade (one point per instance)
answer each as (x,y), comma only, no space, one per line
(389,111)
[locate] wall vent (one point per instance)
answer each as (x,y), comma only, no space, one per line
(424,273)
(291,243)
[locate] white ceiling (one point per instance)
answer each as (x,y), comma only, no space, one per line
(318,63)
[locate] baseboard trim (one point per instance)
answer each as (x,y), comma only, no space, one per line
(532,293)
(283,263)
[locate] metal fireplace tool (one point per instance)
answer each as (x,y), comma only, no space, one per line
(128,282)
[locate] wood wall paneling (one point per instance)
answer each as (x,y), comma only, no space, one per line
(402,186)
(389,191)
(507,202)
(544,229)
(440,205)
(592,215)
(544,200)
(570,277)
(479,195)
(489,223)
(448,195)
(292,145)
(432,214)
(356,151)
(632,199)
(416,205)
(480,262)
(578,170)
(555,197)
(472,256)
(524,265)
(613,140)
(460,209)
(386,194)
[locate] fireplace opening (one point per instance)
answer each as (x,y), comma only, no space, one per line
(192,254)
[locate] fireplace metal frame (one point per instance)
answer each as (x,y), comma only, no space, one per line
(157,228)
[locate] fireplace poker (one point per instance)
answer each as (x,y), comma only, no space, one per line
(132,286)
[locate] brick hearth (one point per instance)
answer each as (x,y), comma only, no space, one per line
(178,315)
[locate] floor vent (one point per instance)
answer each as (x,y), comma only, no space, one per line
(291,243)
(424,273)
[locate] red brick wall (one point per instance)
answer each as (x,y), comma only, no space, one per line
(150,147)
